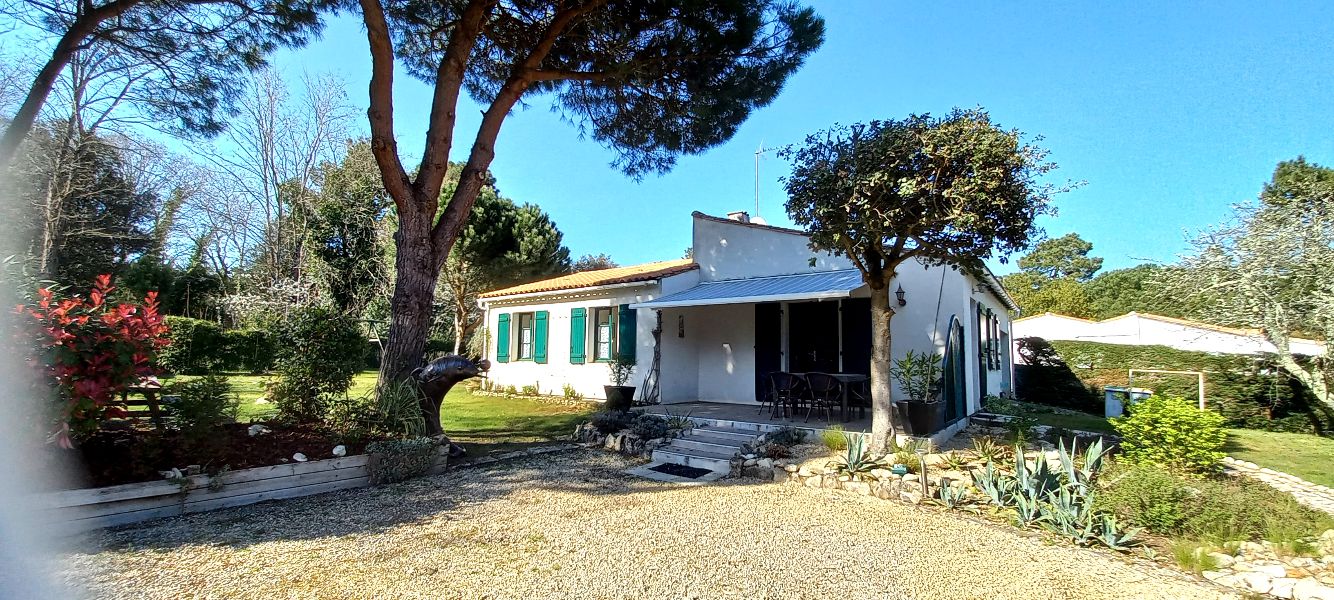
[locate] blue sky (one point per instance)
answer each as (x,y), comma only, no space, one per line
(1170,112)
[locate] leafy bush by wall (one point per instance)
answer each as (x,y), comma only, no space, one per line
(200,347)
(1173,432)
(249,350)
(195,347)
(319,353)
(1250,392)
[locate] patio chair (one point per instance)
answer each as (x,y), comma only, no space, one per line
(824,393)
(859,396)
(785,392)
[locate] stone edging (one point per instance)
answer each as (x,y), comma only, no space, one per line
(1310,494)
(487,460)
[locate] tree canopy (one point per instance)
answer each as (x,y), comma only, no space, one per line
(1065,257)
(176,60)
(503,244)
(952,190)
(650,80)
(593,262)
(1270,269)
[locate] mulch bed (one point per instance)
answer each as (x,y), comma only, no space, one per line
(112,457)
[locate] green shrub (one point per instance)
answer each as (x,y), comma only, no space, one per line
(571,393)
(198,406)
(531,390)
(195,347)
(319,354)
(833,438)
(249,350)
(1173,432)
(611,421)
(1147,496)
(787,436)
(649,427)
(392,409)
(1249,392)
(397,460)
(1215,509)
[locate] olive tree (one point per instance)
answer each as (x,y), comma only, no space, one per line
(943,191)
(1270,269)
(651,79)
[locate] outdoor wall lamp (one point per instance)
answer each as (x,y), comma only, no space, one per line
(899,293)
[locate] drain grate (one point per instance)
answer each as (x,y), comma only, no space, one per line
(681,470)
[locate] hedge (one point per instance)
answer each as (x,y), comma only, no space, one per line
(1248,391)
(200,347)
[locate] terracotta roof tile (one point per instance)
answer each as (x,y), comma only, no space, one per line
(630,274)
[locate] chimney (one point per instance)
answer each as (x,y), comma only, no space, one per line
(739,215)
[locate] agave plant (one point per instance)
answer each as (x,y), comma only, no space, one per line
(995,485)
(1070,515)
(858,462)
(955,460)
(675,421)
(989,450)
(1027,510)
(952,497)
(1112,536)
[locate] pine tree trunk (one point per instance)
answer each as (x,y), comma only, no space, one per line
(882,402)
(416,270)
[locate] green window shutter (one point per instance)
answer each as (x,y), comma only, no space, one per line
(503,338)
(625,334)
(540,337)
(578,335)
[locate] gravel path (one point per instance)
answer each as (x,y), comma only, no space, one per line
(572,525)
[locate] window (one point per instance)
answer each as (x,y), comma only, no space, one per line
(525,321)
(604,333)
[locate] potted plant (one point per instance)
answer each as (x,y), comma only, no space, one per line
(619,395)
(917,375)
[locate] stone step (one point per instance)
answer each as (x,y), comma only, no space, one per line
(709,442)
(702,459)
(740,435)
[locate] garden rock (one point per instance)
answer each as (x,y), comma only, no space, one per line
(1258,582)
(911,496)
(299,457)
(1310,589)
(1282,587)
(257,429)
(1221,559)
(339,451)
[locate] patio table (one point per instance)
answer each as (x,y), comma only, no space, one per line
(845,379)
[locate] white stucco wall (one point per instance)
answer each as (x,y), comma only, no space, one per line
(587,378)
(1139,330)
(715,358)
(730,250)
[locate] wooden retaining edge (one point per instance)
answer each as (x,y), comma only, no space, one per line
(82,510)
(87,509)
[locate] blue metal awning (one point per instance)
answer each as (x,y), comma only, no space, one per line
(806,286)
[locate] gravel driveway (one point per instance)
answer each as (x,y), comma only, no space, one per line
(572,526)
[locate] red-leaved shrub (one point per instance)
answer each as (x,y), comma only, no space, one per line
(89,351)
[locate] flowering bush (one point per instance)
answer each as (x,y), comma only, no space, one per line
(89,351)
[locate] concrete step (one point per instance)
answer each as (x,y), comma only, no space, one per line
(709,442)
(732,433)
(694,458)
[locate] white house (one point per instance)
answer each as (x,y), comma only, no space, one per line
(754,299)
(1141,329)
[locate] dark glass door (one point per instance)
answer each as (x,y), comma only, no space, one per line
(812,338)
(857,336)
(954,389)
(768,345)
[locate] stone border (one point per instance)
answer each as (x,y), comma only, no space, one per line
(1310,494)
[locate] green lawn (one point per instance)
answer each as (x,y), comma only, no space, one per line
(498,424)
(1307,456)
(1080,421)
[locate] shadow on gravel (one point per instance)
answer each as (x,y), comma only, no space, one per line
(377,509)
